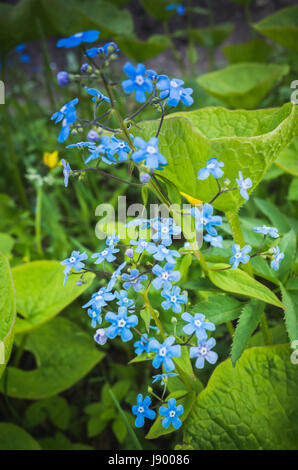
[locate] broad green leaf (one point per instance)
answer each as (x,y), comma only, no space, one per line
(157,9)
(6,243)
(281,27)
(157,428)
(255,50)
(243,85)
(211,36)
(248,321)
(239,282)
(139,50)
(7,312)
(277,334)
(219,308)
(288,247)
(189,139)
(40,292)
(291,314)
(61,442)
(28,19)
(250,407)
(119,429)
(262,268)
(293,190)
(13,437)
(288,159)
(56,409)
(64,354)
(276,217)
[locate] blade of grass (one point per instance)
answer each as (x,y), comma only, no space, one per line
(125,420)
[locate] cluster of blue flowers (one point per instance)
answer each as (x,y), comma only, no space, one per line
(115,306)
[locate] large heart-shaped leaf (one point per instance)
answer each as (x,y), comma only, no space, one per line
(40,293)
(29,19)
(244,140)
(211,36)
(64,354)
(288,159)
(140,50)
(7,312)
(243,85)
(251,406)
(281,27)
(254,50)
(13,437)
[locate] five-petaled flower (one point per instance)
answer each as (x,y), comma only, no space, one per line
(78,38)
(134,279)
(142,344)
(214,241)
(244,185)
(67,114)
(173,90)
(171,414)
(205,219)
(73,262)
(173,299)
(203,352)
(212,168)
(164,353)
(148,152)
(265,230)
(197,324)
(141,410)
(165,276)
(278,256)
(240,255)
(138,81)
(121,324)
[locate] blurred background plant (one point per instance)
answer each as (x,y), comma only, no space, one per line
(235,54)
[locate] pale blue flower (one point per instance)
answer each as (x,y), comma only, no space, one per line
(164,353)
(240,255)
(197,324)
(141,410)
(203,352)
(244,185)
(212,168)
(173,299)
(165,276)
(171,414)
(278,256)
(121,324)
(271,231)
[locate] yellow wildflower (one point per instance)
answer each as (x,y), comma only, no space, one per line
(50,159)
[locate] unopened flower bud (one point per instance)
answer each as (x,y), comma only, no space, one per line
(92,135)
(149,389)
(129,252)
(63,78)
(145,177)
(86,68)
(100,336)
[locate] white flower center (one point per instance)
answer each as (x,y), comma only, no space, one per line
(141,409)
(125,300)
(151,149)
(121,323)
(98,297)
(165,230)
(173,299)
(198,323)
(143,243)
(172,413)
(72,259)
(78,35)
(162,351)
(173,84)
(122,145)
(104,252)
(203,221)
(165,250)
(139,80)
(203,351)
(237,255)
(165,276)
(211,165)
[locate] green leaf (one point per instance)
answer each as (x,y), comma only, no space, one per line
(139,50)
(64,354)
(7,312)
(293,190)
(6,243)
(13,437)
(291,314)
(276,217)
(239,282)
(211,36)
(61,442)
(247,323)
(219,308)
(43,280)
(277,334)
(255,50)
(243,85)
(55,408)
(119,429)
(189,139)
(281,27)
(288,159)
(157,428)
(250,407)
(157,9)
(288,247)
